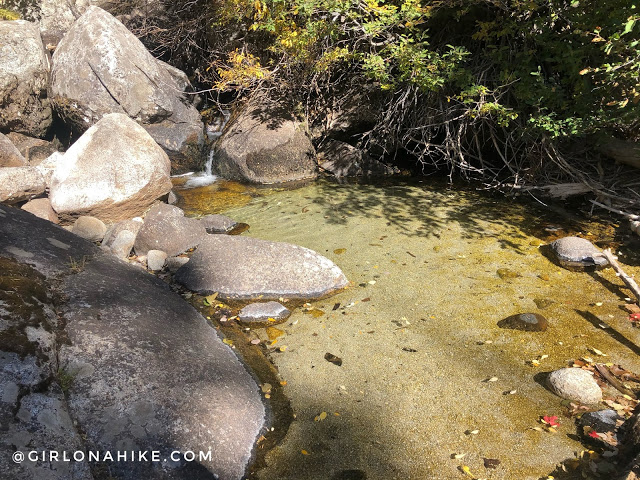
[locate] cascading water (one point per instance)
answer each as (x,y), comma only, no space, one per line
(214,131)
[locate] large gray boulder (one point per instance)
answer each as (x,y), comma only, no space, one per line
(32,403)
(113,172)
(142,369)
(245,268)
(18,184)
(24,77)
(100,67)
(166,228)
(267,146)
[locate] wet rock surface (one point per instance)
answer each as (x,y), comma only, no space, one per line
(528,322)
(575,384)
(245,268)
(256,314)
(166,228)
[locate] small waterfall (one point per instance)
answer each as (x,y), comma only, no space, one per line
(214,131)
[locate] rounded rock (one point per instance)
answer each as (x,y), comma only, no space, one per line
(576,385)
(576,252)
(89,228)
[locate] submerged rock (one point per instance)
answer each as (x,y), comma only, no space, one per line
(257,314)
(575,384)
(166,228)
(218,223)
(247,268)
(577,253)
(344,160)
(529,322)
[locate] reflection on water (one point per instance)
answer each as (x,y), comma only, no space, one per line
(417,331)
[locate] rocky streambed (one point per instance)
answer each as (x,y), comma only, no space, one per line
(411,372)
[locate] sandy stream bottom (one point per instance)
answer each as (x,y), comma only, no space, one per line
(417,332)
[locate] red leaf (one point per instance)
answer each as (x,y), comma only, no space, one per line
(594,434)
(551,421)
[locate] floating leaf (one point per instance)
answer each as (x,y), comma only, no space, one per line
(597,352)
(320,417)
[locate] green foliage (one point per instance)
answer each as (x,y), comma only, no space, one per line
(563,68)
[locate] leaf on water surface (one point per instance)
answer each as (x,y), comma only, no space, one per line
(329,357)
(320,417)
(597,352)
(491,462)
(552,421)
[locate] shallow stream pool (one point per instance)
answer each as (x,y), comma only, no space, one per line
(417,330)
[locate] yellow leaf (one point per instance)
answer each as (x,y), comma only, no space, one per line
(304,452)
(320,417)
(584,71)
(228,342)
(466,470)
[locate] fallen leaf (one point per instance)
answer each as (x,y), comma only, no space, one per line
(466,470)
(597,352)
(492,379)
(339,251)
(304,452)
(227,342)
(458,456)
(320,417)
(552,421)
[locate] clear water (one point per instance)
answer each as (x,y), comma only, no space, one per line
(417,330)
